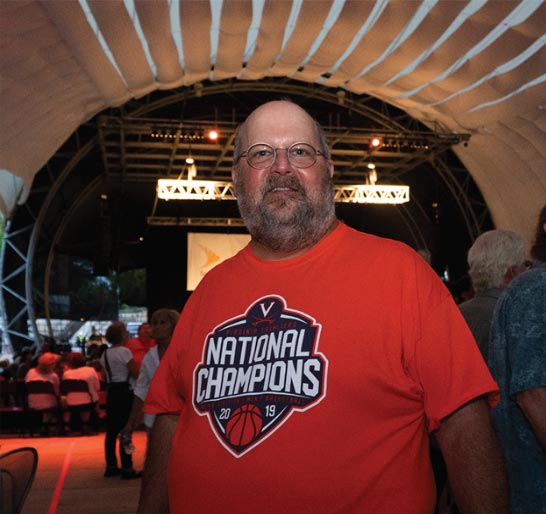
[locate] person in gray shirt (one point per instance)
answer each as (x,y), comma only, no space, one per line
(495,258)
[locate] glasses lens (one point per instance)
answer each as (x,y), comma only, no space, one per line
(302,155)
(260,156)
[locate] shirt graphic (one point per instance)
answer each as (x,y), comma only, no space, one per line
(256,370)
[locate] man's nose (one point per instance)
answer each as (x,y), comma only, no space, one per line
(282,163)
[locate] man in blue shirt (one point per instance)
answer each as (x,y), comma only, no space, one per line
(517,360)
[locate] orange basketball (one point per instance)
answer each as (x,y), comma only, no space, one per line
(244,425)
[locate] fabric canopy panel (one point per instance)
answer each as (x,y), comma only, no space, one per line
(474,66)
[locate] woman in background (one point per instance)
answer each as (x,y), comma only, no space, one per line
(120,368)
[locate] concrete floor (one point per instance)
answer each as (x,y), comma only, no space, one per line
(80,461)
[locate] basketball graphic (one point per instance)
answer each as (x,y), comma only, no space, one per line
(244,425)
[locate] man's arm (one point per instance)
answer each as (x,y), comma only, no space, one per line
(154,492)
(135,416)
(533,404)
(475,465)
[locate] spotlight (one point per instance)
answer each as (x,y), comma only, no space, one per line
(376,142)
(212,135)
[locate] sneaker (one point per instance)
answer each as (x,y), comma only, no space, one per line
(112,472)
(129,475)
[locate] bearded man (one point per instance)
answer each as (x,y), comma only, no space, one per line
(307,372)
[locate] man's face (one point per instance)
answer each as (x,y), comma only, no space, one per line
(162,326)
(144,331)
(282,197)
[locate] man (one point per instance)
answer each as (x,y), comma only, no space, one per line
(140,345)
(495,258)
(517,359)
(307,369)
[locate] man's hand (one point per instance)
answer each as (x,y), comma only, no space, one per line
(475,466)
(154,492)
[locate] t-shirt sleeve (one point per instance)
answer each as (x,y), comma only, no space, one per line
(127,355)
(163,395)
(446,361)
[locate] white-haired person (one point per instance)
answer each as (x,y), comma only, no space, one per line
(495,259)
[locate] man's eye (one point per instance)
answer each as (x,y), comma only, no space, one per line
(260,153)
(300,151)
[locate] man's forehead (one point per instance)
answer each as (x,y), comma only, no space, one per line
(278,111)
(275,118)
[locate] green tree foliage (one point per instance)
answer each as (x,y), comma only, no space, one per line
(132,287)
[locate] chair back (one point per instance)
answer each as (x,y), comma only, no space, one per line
(17,471)
(40,387)
(73,385)
(43,393)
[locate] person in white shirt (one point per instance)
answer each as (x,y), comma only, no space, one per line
(119,366)
(80,403)
(163,322)
(44,372)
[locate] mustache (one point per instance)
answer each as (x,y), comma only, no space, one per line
(289,182)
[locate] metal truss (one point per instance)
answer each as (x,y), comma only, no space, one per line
(175,189)
(161,147)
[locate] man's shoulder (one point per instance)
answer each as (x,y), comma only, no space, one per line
(374,243)
(528,287)
(133,343)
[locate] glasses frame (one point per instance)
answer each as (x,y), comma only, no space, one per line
(245,154)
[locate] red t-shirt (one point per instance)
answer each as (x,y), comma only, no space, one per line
(139,348)
(309,385)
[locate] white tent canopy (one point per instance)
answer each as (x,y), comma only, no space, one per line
(467,66)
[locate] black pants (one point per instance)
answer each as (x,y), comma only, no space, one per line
(119,399)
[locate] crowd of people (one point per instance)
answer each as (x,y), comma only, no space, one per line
(71,393)
(314,371)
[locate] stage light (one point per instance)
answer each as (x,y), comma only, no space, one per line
(376,142)
(212,135)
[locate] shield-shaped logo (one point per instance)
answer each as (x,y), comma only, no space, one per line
(256,370)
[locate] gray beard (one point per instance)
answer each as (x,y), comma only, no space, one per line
(307,224)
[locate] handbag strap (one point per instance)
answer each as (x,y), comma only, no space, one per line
(108,370)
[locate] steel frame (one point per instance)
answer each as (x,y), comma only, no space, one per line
(38,225)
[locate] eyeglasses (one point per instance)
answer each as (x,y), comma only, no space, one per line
(262,155)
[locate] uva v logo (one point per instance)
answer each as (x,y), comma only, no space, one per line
(256,370)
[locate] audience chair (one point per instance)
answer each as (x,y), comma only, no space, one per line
(78,418)
(17,470)
(45,418)
(11,414)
